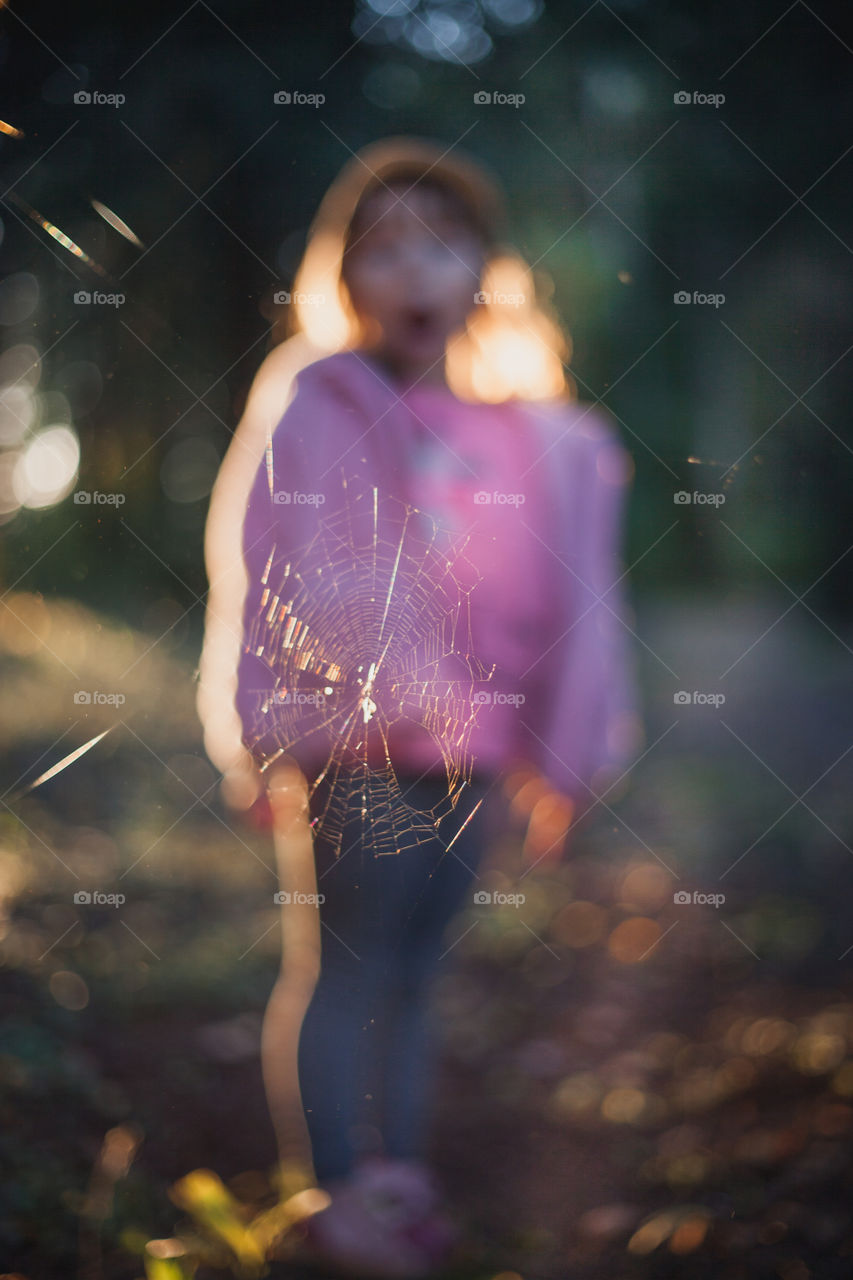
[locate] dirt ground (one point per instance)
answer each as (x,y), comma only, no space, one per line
(631,1086)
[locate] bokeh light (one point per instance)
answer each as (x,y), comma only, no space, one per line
(189,470)
(19,297)
(46,470)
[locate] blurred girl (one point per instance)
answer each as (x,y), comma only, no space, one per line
(420,369)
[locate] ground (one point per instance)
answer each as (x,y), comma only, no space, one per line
(631,1086)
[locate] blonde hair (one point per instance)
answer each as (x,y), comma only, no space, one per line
(512,347)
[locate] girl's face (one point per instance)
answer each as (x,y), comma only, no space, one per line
(412,273)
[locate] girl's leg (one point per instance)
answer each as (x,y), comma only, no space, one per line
(442,882)
(366,1053)
(300,965)
(335,1051)
(338,1053)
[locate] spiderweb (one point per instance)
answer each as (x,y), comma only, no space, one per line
(366,635)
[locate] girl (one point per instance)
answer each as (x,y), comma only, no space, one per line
(428,602)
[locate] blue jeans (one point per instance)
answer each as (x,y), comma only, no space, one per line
(367,1048)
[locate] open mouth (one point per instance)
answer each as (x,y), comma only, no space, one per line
(419,321)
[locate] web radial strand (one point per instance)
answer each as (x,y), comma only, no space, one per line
(366,634)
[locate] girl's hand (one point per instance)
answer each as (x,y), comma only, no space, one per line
(287,789)
(545,841)
(546,814)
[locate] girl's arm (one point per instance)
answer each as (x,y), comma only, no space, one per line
(268,397)
(594,727)
(278,524)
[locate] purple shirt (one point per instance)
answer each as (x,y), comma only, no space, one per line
(520,579)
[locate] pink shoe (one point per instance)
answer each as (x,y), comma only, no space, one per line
(385,1220)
